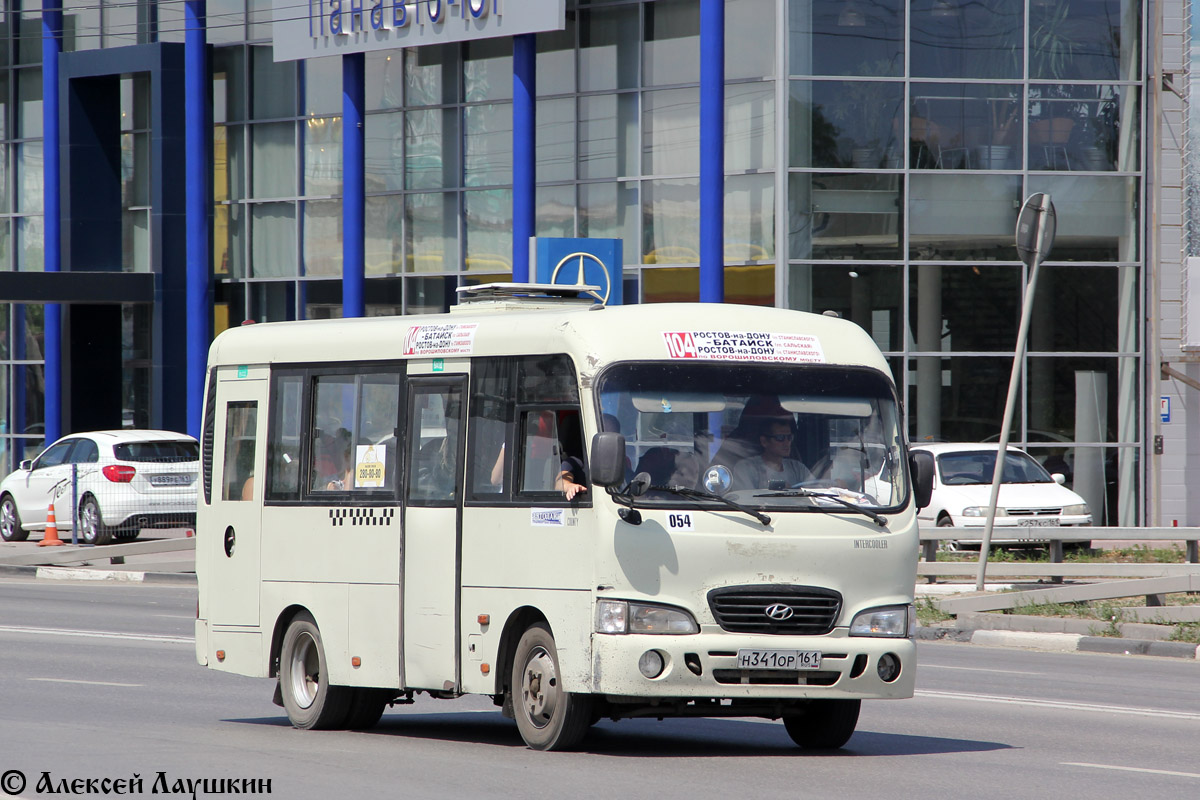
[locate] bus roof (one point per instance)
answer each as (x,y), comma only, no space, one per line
(593,334)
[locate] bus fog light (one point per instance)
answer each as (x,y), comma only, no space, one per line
(888,667)
(651,664)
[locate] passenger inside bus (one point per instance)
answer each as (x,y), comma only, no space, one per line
(773,468)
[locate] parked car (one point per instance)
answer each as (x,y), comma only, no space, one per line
(127,480)
(1030,497)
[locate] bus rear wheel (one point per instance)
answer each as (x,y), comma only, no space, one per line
(823,724)
(547,717)
(309,699)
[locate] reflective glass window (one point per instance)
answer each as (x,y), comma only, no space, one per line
(846,124)
(963,217)
(671,44)
(870,295)
(846,37)
(834,215)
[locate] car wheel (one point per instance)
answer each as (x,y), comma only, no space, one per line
(547,717)
(311,702)
(10,521)
(91,527)
(823,724)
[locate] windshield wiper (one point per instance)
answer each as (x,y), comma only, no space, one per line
(801,492)
(684,491)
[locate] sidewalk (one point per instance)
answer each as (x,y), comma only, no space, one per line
(107,562)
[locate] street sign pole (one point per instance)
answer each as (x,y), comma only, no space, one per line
(1035,236)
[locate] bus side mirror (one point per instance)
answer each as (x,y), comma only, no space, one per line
(920,463)
(608,459)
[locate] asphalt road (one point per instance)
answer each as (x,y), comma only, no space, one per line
(100,681)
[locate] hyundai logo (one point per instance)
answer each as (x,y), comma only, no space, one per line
(779,612)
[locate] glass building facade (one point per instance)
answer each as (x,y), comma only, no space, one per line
(876,155)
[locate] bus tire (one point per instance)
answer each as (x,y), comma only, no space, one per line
(366,707)
(547,717)
(309,699)
(823,724)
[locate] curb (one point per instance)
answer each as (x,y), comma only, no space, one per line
(1062,642)
(111,575)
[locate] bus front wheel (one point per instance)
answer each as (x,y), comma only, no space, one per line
(309,699)
(823,724)
(547,717)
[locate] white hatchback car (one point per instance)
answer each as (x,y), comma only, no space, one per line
(125,481)
(1030,497)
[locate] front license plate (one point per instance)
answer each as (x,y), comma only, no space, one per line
(779,659)
(1038,523)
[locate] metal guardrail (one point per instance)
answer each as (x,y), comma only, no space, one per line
(930,537)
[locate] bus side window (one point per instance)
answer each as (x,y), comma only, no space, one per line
(283,453)
(540,458)
(491,427)
(237,473)
(433,440)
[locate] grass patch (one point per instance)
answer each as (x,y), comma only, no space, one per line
(929,613)
(1186,632)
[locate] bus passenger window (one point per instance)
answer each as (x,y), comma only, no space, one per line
(237,473)
(434,446)
(283,448)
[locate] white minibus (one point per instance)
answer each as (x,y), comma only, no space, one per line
(584,512)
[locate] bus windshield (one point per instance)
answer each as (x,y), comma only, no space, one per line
(756,434)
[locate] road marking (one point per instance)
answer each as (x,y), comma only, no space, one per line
(86,683)
(979,669)
(1133,769)
(1059,704)
(138,637)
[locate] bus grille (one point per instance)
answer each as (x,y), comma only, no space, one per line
(785,610)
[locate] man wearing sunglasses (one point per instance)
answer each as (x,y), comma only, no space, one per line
(773,468)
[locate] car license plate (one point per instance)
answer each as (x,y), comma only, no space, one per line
(171,480)
(1047,522)
(779,659)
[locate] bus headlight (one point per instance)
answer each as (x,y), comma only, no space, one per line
(620,616)
(892,621)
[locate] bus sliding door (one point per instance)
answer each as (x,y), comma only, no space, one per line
(432,534)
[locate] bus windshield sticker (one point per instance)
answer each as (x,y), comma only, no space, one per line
(437,340)
(369,466)
(744,346)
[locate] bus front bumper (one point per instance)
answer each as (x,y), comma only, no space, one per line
(706,665)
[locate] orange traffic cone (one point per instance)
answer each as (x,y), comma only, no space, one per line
(51,538)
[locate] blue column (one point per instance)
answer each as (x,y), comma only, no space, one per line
(712,151)
(354,204)
(524,142)
(198,202)
(51,47)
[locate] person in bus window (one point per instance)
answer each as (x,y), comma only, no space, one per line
(571,478)
(773,468)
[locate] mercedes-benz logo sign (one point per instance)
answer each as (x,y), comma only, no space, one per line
(779,612)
